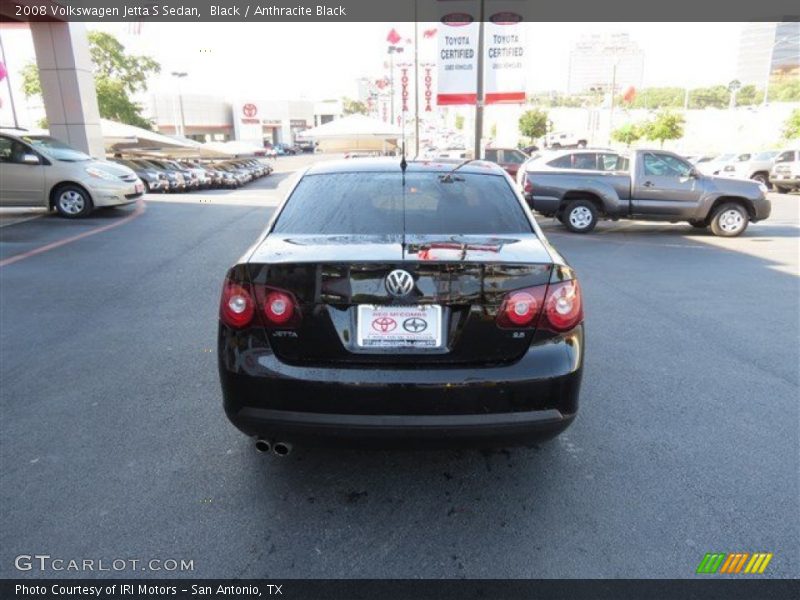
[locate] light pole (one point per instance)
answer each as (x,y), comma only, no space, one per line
(479,87)
(613,91)
(180,75)
(392,50)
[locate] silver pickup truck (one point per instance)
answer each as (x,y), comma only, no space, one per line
(582,186)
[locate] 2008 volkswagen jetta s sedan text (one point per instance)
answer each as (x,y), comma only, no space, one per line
(409,303)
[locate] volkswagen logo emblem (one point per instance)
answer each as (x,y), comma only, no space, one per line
(415,325)
(399,282)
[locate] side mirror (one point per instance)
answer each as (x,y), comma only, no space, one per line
(695,174)
(30,159)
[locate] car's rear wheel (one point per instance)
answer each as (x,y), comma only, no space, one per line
(580,216)
(72,201)
(761,178)
(729,220)
(781,190)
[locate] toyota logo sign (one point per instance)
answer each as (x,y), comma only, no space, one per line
(249,110)
(399,282)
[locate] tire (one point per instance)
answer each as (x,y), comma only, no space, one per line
(729,220)
(698,224)
(72,201)
(146,187)
(582,144)
(761,178)
(580,216)
(781,190)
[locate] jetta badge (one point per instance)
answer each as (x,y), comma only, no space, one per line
(399,282)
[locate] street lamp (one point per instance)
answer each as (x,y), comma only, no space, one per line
(180,75)
(392,50)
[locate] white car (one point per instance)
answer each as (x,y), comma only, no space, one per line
(565,139)
(39,170)
(755,166)
(717,164)
(785,174)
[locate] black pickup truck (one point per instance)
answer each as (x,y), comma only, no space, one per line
(580,187)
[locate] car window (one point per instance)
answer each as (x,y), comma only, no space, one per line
(513,157)
(12,151)
(585,161)
(665,165)
(491,155)
(580,160)
(787,156)
(55,148)
(742,157)
(379,203)
(609,162)
(765,155)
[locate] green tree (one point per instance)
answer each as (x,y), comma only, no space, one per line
(717,96)
(791,128)
(459,122)
(785,90)
(533,123)
(667,125)
(117,76)
(353,107)
(628,134)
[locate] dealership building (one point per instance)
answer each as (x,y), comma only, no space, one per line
(205,118)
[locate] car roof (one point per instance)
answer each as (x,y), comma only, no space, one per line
(392,164)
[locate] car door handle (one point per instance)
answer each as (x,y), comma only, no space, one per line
(648,184)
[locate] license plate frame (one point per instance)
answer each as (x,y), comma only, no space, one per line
(386,327)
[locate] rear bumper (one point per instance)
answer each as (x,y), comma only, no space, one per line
(532,399)
(429,430)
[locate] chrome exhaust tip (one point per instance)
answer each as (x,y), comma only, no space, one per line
(263,445)
(282,448)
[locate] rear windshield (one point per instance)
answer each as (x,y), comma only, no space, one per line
(378,203)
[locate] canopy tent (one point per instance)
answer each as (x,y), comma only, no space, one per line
(120,138)
(236,148)
(355,132)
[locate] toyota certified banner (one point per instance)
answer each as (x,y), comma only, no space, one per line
(457,57)
(503,52)
(504,57)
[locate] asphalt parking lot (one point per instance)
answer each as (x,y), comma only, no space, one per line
(114,443)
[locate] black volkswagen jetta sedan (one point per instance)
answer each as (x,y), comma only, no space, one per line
(409,303)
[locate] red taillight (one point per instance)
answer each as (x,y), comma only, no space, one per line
(278,308)
(563,308)
(528,186)
(236,307)
(560,309)
(521,308)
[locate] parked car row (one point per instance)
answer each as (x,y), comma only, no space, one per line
(168,175)
(774,168)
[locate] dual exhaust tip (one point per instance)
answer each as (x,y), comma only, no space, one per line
(277,448)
